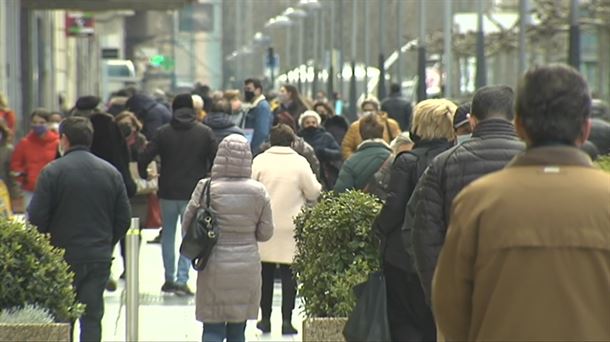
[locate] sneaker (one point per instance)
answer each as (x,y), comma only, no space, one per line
(111,285)
(157,239)
(183,290)
(169,287)
(264,325)
(288,329)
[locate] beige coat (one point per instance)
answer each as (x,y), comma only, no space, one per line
(290,183)
(352,138)
(527,253)
(229,288)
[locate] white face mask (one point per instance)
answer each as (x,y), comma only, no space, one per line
(463,137)
(54,126)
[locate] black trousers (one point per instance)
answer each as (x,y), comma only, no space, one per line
(289,290)
(89,281)
(409,316)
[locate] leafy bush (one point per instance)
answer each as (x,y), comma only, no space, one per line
(34,272)
(26,314)
(604,163)
(336,250)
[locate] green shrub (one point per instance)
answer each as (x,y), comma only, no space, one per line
(336,250)
(34,272)
(604,163)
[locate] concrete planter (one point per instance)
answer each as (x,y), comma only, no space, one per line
(35,332)
(324,329)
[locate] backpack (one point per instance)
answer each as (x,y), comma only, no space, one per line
(380,180)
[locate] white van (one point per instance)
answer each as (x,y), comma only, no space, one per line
(116,75)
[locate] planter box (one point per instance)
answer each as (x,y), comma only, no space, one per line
(35,332)
(325,329)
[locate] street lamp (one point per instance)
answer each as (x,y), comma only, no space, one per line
(310,4)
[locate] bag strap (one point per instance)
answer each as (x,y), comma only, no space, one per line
(206,193)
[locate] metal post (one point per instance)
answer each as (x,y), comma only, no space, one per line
(399,41)
(331,70)
(481,77)
(352,83)
(421,55)
(316,32)
(301,52)
(448,53)
(174,42)
(132,244)
(381,85)
(341,49)
(523,25)
(367,47)
(574,52)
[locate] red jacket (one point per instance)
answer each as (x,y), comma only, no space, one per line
(31,155)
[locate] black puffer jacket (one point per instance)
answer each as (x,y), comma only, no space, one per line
(151,113)
(494,143)
(399,109)
(187,149)
(328,153)
(222,125)
(406,170)
(337,126)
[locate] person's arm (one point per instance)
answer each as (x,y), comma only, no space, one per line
(42,204)
(331,150)
(452,286)
(350,142)
(392,214)
(18,163)
(264,227)
(262,124)
(150,152)
(345,180)
(428,225)
(309,184)
(122,212)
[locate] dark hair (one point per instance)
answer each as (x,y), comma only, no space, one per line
(78,130)
(395,88)
(553,102)
(220,105)
(132,117)
(281,135)
(295,96)
(255,82)
(493,101)
(371,127)
(328,107)
(41,112)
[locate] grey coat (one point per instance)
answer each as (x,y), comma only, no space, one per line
(229,288)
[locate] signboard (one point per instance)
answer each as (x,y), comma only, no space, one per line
(110,53)
(79,24)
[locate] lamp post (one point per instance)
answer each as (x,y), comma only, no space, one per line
(481,76)
(574,49)
(352,83)
(381,92)
(421,53)
(523,24)
(448,49)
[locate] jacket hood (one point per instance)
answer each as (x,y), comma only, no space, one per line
(233,159)
(139,103)
(218,120)
(183,118)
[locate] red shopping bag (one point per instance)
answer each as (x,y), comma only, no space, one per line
(153,214)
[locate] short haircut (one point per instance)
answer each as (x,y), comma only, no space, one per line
(281,135)
(493,101)
(41,112)
(78,130)
(433,119)
(370,100)
(231,94)
(371,127)
(395,88)
(255,82)
(220,105)
(131,116)
(553,102)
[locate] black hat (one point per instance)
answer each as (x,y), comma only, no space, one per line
(461,115)
(87,102)
(182,101)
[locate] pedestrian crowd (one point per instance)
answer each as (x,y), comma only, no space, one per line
(495,224)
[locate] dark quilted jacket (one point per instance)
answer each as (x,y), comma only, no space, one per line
(494,143)
(406,170)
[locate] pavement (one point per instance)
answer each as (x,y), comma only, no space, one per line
(167,317)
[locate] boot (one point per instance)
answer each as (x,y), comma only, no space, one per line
(288,329)
(264,325)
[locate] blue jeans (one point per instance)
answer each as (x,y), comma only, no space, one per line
(217,332)
(170,211)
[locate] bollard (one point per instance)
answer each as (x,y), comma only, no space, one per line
(132,244)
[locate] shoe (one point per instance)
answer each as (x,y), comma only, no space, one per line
(157,239)
(183,290)
(264,325)
(288,329)
(111,285)
(169,287)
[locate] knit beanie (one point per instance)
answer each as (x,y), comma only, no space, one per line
(308,114)
(88,102)
(182,101)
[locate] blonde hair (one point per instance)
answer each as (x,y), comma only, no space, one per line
(197,102)
(433,119)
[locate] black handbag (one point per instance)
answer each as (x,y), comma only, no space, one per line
(202,234)
(369,320)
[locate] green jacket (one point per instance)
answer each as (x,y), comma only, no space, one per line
(362,165)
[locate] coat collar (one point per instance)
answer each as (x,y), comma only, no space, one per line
(373,143)
(280,150)
(494,127)
(552,156)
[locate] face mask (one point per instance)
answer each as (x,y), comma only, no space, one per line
(248,95)
(463,137)
(284,98)
(310,129)
(125,130)
(39,129)
(54,126)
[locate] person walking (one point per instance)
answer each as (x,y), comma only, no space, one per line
(493,144)
(229,288)
(336,125)
(526,256)
(258,114)
(151,113)
(290,183)
(219,120)
(186,148)
(398,107)
(292,105)
(33,153)
(70,191)
(409,316)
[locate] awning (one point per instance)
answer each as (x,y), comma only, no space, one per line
(105,5)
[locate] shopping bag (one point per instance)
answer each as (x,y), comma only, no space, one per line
(369,320)
(153,213)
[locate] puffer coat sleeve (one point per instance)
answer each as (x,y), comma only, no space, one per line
(264,228)
(193,205)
